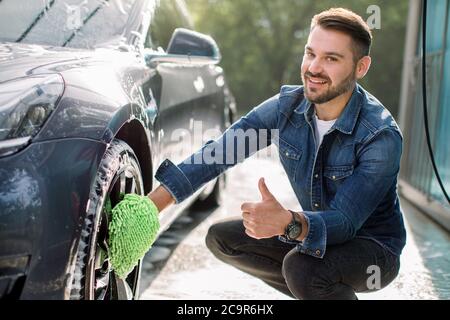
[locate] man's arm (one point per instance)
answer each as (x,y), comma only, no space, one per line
(216,156)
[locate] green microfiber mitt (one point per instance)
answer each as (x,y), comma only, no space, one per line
(133,227)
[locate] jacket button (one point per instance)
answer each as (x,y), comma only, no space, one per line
(287,154)
(334,177)
(316,205)
(317,252)
(316,176)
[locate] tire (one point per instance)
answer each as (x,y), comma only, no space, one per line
(215,198)
(92,278)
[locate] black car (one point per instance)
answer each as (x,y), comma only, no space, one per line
(94,95)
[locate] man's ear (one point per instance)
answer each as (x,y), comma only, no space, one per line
(363,66)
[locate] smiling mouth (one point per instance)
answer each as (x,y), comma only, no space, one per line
(317,81)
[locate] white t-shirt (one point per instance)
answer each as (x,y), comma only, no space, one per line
(322,128)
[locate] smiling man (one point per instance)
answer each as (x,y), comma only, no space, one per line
(341,150)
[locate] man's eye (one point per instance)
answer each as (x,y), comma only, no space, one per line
(309,54)
(331,59)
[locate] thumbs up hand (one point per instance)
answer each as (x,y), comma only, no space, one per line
(267,218)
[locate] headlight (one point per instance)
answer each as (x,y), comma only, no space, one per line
(25,105)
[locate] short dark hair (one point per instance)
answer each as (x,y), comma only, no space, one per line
(346,21)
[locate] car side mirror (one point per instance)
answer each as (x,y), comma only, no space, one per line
(192,43)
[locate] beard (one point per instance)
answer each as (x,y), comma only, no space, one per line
(332,92)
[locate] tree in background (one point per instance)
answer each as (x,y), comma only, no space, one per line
(262,43)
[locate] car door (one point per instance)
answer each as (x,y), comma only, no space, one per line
(174,87)
(209,107)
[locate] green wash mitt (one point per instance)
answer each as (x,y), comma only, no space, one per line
(133,227)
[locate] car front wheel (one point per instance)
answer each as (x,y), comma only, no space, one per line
(119,173)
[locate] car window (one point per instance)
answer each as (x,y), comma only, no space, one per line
(71,23)
(168,15)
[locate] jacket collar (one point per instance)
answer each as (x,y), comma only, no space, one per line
(349,116)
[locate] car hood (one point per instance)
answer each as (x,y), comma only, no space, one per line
(97,84)
(19,60)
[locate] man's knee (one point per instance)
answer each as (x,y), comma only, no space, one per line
(212,239)
(302,274)
(219,237)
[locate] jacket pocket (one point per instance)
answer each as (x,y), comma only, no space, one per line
(336,175)
(337,172)
(289,157)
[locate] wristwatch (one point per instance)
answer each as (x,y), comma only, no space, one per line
(293,229)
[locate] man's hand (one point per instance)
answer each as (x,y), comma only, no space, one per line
(265,219)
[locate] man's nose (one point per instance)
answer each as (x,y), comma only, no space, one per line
(315,67)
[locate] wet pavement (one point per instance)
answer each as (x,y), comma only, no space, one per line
(179,266)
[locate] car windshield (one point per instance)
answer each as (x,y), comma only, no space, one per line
(64,23)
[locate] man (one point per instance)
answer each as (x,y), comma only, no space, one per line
(341,150)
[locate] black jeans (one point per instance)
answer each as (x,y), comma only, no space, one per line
(344,270)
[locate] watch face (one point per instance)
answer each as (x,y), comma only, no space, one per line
(294,231)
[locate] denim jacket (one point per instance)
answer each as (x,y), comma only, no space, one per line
(347,186)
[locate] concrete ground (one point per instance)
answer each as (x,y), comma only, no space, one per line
(179,266)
